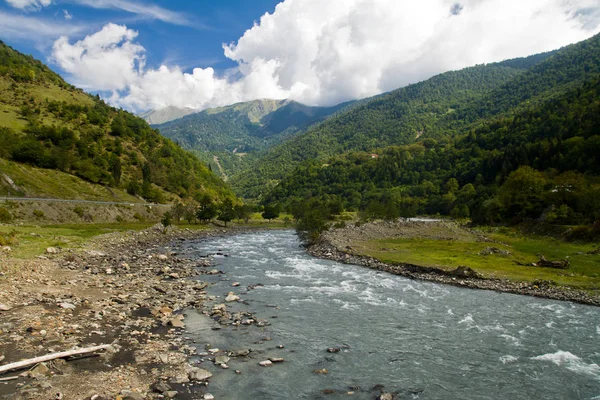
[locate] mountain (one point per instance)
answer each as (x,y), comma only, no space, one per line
(166,114)
(540,162)
(50,125)
(441,107)
(232,136)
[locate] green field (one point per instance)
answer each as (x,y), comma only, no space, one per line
(584,271)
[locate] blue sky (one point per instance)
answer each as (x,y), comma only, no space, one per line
(193,41)
(149,54)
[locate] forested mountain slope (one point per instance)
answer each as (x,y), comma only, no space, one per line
(443,106)
(540,162)
(236,134)
(47,123)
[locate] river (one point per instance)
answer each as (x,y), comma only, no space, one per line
(418,339)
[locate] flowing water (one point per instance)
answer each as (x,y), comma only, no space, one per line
(419,339)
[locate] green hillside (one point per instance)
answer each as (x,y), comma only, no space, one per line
(48,124)
(399,117)
(233,136)
(443,106)
(540,162)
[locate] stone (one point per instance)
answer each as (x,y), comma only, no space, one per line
(333,350)
(162,257)
(67,306)
(321,371)
(235,284)
(386,396)
(160,387)
(276,359)
(266,363)
(4,307)
(208,396)
(40,370)
(231,297)
(176,322)
(171,394)
(52,250)
(6,249)
(198,374)
(241,353)
(213,351)
(222,360)
(108,271)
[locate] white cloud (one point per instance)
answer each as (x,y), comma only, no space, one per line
(67,15)
(29,4)
(327,52)
(35,29)
(150,11)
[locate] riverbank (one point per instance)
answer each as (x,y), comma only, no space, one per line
(349,245)
(122,289)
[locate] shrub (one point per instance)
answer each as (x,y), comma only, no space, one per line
(79,211)
(38,214)
(5,215)
(139,217)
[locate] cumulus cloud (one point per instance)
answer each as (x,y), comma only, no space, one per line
(29,4)
(323,53)
(67,15)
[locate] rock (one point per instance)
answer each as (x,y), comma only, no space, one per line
(276,359)
(4,307)
(134,396)
(213,351)
(108,271)
(386,396)
(241,353)
(494,250)
(231,297)
(67,306)
(198,374)
(222,360)
(52,250)
(40,370)
(321,371)
(208,396)
(235,284)
(160,387)
(171,394)
(162,257)
(266,363)
(464,272)
(176,322)
(96,253)
(333,350)
(6,249)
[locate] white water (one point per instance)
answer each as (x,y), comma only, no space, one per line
(419,339)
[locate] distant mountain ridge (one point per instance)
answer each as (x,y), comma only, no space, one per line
(237,133)
(166,114)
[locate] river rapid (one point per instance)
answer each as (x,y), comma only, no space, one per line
(417,339)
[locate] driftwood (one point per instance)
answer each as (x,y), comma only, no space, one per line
(10,378)
(552,264)
(48,357)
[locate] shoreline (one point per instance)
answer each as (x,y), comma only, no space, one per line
(460,277)
(127,290)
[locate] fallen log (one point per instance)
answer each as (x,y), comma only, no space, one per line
(50,357)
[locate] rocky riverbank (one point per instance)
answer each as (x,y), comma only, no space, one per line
(335,245)
(125,290)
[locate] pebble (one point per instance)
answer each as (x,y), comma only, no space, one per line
(266,363)
(209,396)
(4,307)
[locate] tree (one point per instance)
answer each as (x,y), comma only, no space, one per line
(226,211)
(189,213)
(522,193)
(207,210)
(243,211)
(115,168)
(178,211)
(271,212)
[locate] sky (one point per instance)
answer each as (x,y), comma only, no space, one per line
(150,54)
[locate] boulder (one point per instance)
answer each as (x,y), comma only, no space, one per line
(52,250)
(221,360)
(276,359)
(4,307)
(266,363)
(198,374)
(231,297)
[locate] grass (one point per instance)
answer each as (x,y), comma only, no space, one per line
(56,184)
(31,241)
(584,272)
